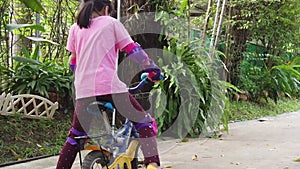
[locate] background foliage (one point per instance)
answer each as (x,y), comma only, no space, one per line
(271,24)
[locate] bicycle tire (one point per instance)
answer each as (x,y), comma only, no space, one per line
(93,158)
(138,161)
(135,163)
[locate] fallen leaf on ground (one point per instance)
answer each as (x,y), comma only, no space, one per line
(297,160)
(185,140)
(195,157)
(235,163)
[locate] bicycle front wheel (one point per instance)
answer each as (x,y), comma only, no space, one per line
(138,161)
(94,160)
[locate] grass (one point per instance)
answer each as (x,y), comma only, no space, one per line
(23,138)
(244,110)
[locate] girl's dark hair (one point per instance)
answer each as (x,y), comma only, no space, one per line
(87,7)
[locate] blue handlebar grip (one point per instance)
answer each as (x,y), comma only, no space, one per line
(144,80)
(141,84)
(144,76)
(161,77)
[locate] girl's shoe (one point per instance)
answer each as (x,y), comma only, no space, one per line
(150,166)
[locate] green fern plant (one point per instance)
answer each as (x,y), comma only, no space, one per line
(190,99)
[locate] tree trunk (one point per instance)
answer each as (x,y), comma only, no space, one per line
(148,41)
(236,49)
(4,36)
(130,72)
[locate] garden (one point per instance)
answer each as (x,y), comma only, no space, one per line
(223,61)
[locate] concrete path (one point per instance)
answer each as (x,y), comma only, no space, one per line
(271,144)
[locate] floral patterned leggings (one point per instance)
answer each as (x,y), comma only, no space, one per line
(128,106)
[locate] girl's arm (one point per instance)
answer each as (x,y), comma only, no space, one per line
(137,54)
(72,62)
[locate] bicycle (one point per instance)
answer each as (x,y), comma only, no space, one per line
(120,148)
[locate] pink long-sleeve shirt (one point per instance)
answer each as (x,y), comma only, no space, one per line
(96,50)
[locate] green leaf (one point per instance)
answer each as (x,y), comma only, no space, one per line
(26,60)
(36,39)
(35,5)
(32,84)
(12,27)
(21,87)
(287,69)
(295,66)
(231,86)
(25,52)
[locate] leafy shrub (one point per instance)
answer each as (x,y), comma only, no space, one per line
(261,79)
(190,99)
(34,77)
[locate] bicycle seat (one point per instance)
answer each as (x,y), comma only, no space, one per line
(97,106)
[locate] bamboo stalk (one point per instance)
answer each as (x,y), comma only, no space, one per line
(206,22)
(211,46)
(220,24)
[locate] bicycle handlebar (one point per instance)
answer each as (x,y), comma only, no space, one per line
(144,80)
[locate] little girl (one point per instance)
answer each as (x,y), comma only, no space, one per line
(94,42)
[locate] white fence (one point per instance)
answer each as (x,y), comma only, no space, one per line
(28,105)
